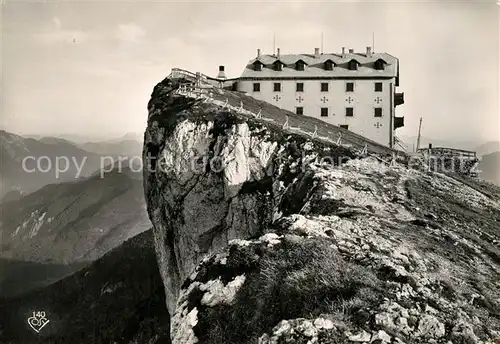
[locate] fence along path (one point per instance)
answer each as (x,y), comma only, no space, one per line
(198,88)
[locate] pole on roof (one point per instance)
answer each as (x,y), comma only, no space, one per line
(373,41)
(274,44)
(321,42)
(419,130)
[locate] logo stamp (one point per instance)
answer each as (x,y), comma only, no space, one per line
(38,321)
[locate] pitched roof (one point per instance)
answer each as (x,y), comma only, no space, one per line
(315,65)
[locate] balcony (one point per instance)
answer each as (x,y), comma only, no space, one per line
(399,98)
(399,122)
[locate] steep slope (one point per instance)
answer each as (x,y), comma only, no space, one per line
(490,167)
(117,299)
(18,277)
(74,221)
(45,152)
(266,235)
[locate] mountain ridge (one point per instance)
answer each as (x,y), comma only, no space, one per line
(117,299)
(69,222)
(39,168)
(276,244)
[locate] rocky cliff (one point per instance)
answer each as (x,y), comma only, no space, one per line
(266,235)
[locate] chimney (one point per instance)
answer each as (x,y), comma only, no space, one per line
(368,51)
(278,52)
(343,52)
(351,51)
(221,74)
(316,52)
(258,52)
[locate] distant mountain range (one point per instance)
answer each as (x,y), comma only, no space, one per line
(46,152)
(84,159)
(490,167)
(81,139)
(52,226)
(119,298)
(74,221)
(488,148)
(126,147)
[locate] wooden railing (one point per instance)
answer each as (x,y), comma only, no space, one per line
(400,143)
(215,96)
(448,152)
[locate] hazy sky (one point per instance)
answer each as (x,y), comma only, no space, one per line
(100,83)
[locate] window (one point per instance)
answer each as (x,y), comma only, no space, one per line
(344,126)
(278,66)
(378,112)
(256,87)
(353,65)
(328,65)
(257,67)
(300,65)
(300,87)
(324,112)
(277,87)
(349,87)
(349,112)
(378,87)
(380,64)
(324,87)
(299,110)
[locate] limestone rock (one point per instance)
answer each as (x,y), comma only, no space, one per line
(259,241)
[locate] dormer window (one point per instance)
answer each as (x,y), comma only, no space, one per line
(257,66)
(300,65)
(380,64)
(278,65)
(328,65)
(353,64)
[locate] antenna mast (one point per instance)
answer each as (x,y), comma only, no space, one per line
(322,42)
(373,41)
(418,137)
(274,44)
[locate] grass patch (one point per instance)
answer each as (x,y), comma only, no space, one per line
(292,280)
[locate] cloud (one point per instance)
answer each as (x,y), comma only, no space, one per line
(130,32)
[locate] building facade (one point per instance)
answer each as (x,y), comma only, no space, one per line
(356,91)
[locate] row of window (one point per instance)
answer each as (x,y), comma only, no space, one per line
(349,111)
(349,87)
(327,65)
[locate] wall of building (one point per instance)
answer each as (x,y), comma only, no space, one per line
(363,100)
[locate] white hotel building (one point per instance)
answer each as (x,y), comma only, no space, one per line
(356,91)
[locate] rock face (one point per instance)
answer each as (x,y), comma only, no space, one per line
(267,236)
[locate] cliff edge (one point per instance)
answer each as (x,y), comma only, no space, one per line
(267,235)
